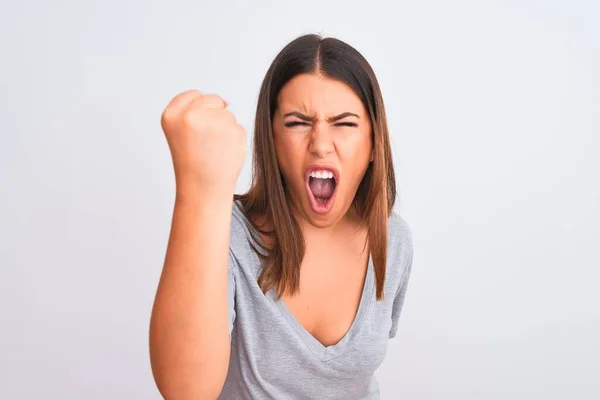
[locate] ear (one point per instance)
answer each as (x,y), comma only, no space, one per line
(372,155)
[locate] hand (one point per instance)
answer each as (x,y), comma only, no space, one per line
(207,144)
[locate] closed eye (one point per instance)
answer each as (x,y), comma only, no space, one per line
(294,123)
(297,123)
(351,124)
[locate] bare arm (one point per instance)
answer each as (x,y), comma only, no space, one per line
(189,329)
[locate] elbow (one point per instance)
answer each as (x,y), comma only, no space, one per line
(186,372)
(189,392)
(176,388)
(186,383)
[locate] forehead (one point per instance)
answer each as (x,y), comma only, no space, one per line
(320,95)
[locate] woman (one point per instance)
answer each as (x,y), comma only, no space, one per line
(291,290)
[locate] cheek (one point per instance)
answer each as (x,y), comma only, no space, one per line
(289,155)
(355,155)
(355,148)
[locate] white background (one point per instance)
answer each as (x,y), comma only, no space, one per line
(494,112)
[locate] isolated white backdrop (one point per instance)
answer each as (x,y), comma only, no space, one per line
(494,112)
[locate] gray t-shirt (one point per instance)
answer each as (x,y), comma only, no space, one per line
(274,357)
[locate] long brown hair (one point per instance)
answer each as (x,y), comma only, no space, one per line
(266,198)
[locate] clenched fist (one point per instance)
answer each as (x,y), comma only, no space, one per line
(207,144)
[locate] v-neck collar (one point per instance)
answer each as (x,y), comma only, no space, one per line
(322,352)
(326,353)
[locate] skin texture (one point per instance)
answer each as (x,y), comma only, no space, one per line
(333,270)
(189,327)
(347,148)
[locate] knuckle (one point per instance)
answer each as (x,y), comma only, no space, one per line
(240,130)
(167,117)
(189,117)
(189,94)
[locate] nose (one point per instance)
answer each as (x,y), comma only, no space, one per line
(321,141)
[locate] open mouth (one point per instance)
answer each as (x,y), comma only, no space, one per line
(321,184)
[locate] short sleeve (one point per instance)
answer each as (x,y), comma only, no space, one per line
(407,259)
(231,291)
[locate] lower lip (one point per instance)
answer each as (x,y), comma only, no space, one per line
(318,207)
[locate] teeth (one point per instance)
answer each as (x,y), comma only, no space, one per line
(322,174)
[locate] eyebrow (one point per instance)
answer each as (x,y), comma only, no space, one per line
(330,119)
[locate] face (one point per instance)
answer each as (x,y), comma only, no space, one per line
(322,137)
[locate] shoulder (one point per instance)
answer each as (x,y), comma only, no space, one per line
(243,241)
(400,247)
(399,233)
(239,220)
(242,234)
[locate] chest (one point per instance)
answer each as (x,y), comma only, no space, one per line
(331,289)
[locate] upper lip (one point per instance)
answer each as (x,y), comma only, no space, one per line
(320,167)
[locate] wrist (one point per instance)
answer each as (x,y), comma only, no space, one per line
(203,194)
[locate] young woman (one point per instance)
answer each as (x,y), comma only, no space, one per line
(292,290)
